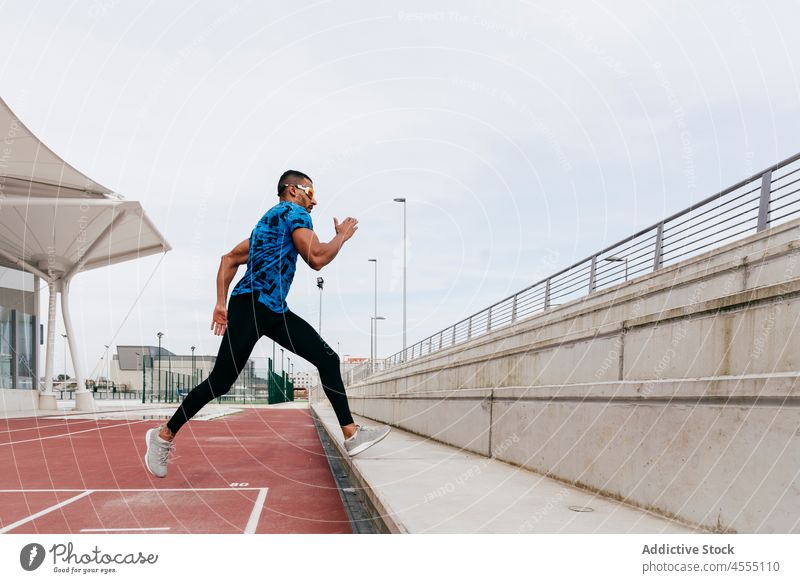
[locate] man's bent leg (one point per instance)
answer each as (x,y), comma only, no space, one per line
(294,333)
(237,344)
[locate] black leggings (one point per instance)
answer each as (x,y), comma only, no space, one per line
(249,320)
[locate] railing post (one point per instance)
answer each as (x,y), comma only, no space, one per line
(514,309)
(489,320)
(592,273)
(657,255)
(763,205)
(469,328)
(547,294)
(454,335)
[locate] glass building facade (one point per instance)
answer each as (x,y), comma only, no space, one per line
(18,329)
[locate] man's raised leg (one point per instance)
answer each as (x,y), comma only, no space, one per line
(299,336)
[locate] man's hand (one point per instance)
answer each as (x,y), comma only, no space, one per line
(346,228)
(219,322)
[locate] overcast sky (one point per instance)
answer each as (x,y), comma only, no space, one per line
(525,136)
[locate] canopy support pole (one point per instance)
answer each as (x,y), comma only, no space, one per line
(84,400)
(47,398)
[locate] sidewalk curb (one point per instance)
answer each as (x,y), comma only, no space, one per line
(381,511)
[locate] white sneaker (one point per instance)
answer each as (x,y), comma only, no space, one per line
(158,451)
(365,437)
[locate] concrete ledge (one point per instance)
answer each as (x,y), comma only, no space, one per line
(422,486)
(784,387)
(16,400)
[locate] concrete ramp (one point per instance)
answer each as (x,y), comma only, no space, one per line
(417,485)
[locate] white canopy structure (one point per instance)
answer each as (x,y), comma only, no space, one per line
(56,222)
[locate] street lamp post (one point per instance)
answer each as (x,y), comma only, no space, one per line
(345,369)
(403,200)
(374,361)
(168,394)
(283,377)
(160,334)
(620,259)
(108,367)
(144,377)
(373,345)
(193,379)
(320,282)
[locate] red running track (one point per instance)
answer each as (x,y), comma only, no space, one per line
(257,471)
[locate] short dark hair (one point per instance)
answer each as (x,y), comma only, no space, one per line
(291,174)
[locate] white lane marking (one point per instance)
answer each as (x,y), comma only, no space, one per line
(71,433)
(39,427)
(256,513)
(45,511)
(125,529)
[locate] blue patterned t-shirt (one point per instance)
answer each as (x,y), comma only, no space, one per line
(273,256)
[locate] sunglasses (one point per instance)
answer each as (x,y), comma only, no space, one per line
(308,190)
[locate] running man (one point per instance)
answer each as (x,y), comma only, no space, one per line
(257,307)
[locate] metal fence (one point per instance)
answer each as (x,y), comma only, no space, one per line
(763,200)
(112,394)
(253,386)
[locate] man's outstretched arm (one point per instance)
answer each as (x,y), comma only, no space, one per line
(318,254)
(228,266)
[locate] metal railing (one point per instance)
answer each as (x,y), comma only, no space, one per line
(69,395)
(763,200)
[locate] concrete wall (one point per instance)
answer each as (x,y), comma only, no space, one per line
(18,400)
(676,392)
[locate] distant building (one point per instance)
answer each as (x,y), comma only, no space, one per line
(19,338)
(349,364)
(304,380)
(126,370)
